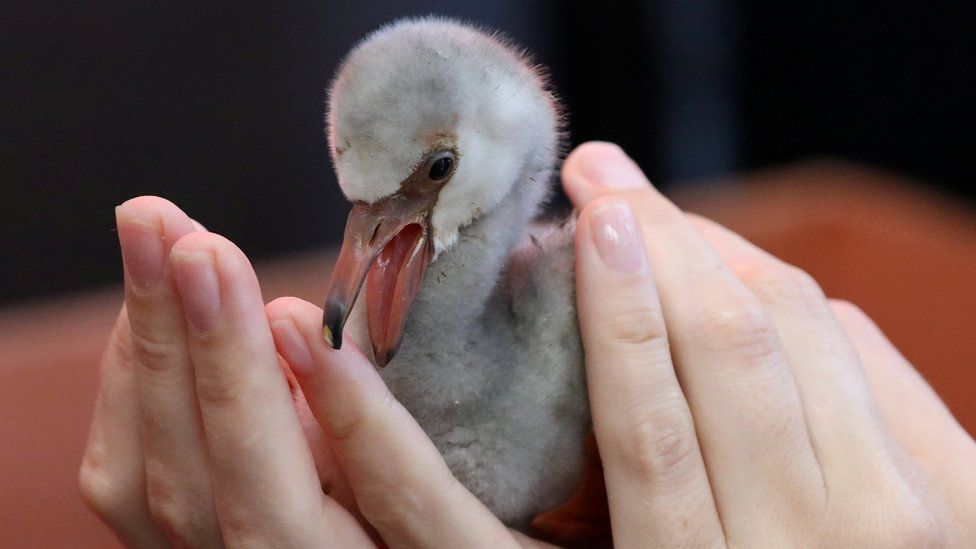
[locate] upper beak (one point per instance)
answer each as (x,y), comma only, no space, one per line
(387,242)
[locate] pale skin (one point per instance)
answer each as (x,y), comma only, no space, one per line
(733,403)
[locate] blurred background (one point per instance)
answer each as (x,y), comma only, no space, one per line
(218,106)
(836,134)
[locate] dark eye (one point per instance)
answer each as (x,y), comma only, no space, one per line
(441,168)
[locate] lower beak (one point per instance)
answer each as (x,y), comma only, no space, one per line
(387,243)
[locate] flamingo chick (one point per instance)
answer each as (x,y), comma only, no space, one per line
(445,139)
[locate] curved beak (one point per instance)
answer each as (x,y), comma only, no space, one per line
(387,243)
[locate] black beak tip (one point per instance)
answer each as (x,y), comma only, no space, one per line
(384,358)
(333,317)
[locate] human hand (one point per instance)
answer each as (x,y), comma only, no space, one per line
(734,404)
(196,439)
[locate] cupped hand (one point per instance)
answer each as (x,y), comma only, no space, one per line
(734,404)
(197,439)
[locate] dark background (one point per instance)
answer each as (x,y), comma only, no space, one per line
(218,106)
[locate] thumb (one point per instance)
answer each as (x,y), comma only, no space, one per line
(401,483)
(598,169)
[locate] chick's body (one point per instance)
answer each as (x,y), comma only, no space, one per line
(490,362)
(503,397)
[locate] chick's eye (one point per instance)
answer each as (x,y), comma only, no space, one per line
(441,168)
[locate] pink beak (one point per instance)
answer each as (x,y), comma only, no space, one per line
(386,245)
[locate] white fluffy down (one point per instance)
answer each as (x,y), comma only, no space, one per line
(428,84)
(491,363)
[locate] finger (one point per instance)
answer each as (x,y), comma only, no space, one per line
(178,483)
(656,482)
(112,477)
(916,415)
(401,483)
(727,355)
(266,488)
(332,478)
(842,416)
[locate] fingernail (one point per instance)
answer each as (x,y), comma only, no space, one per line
(143,248)
(292,346)
(617,240)
(199,287)
(612,168)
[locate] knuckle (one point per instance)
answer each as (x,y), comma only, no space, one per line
(345,425)
(284,524)
(239,525)
(238,531)
(847,311)
(637,324)
(357,416)
(785,284)
(394,506)
(217,390)
(658,443)
(906,516)
(103,492)
(343,429)
(741,327)
(172,514)
(153,350)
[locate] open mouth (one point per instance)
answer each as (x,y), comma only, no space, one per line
(391,286)
(387,246)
